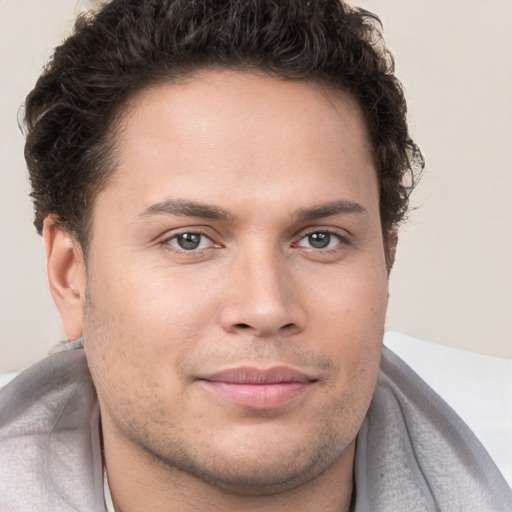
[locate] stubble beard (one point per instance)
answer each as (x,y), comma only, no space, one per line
(169,447)
(260,476)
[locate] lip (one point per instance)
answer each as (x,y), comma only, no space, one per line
(258,388)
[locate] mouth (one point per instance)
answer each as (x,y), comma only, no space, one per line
(258,389)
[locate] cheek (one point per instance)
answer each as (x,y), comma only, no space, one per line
(153,296)
(353,299)
(348,318)
(144,320)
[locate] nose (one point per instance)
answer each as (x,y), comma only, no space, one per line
(262,298)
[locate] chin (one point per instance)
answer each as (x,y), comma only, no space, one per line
(257,461)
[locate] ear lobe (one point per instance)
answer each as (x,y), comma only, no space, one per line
(66,275)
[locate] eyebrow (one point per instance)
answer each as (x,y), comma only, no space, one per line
(181,207)
(187,208)
(343,206)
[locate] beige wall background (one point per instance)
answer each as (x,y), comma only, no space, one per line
(452,281)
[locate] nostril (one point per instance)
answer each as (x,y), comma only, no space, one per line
(287,327)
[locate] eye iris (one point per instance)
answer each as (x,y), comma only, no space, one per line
(189,241)
(319,240)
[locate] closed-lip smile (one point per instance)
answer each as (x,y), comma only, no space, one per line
(258,388)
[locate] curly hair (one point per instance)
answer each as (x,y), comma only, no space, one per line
(71,115)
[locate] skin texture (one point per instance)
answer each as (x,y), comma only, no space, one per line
(264,154)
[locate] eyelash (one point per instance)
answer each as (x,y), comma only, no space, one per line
(343,241)
(166,243)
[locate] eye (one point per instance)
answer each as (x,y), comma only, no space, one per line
(320,240)
(189,241)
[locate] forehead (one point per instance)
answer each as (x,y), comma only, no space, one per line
(263,138)
(249,100)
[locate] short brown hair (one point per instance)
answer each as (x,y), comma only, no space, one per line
(128,45)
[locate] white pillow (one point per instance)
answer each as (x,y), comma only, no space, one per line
(5,378)
(477,387)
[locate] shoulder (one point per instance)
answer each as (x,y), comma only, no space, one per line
(50,453)
(415,453)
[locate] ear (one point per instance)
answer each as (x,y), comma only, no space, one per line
(66,275)
(391,243)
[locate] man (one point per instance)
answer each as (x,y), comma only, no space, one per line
(219,185)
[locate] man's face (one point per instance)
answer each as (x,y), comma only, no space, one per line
(236,281)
